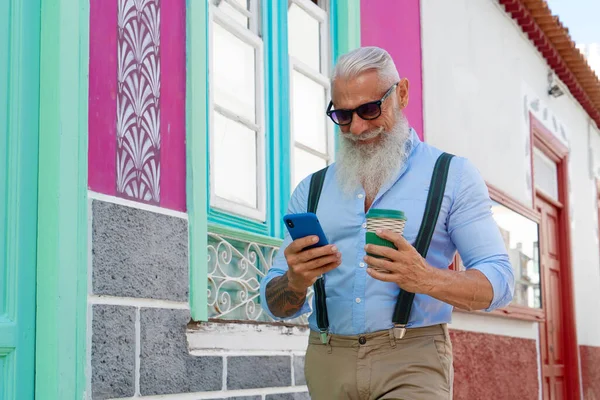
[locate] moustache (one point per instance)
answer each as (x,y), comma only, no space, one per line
(363,136)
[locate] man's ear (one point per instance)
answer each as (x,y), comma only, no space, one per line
(402,93)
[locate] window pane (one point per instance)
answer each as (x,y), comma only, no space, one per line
(303,32)
(545,174)
(233,13)
(243,3)
(234,73)
(235,161)
(305,164)
(522,244)
(308,108)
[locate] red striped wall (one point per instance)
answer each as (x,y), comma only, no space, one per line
(590,371)
(494,367)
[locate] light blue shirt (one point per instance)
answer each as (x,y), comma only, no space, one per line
(357,303)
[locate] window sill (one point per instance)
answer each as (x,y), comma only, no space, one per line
(512,312)
(243,235)
(218,337)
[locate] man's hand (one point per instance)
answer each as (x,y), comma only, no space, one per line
(403,265)
(286,294)
(468,290)
(305,266)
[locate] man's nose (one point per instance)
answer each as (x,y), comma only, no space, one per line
(358,125)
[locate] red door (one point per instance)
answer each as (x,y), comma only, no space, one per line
(551,332)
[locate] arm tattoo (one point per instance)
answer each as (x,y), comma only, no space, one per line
(282,301)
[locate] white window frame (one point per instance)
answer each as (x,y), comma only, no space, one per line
(249,36)
(320,13)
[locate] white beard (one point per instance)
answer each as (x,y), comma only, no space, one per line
(371,165)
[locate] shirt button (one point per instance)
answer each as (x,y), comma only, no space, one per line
(360,196)
(358,299)
(364,225)
(362,265)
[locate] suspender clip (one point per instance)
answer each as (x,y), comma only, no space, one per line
(324,337)
(399,331)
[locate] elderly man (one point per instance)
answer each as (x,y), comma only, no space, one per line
(359,347)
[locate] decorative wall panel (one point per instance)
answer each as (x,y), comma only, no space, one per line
(136,114)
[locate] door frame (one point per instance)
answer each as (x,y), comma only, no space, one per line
(61,313)
(597,203)
(19,72)
(552,147)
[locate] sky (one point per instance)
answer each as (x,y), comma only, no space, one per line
(580,16)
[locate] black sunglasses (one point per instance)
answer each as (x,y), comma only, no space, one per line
(366,111)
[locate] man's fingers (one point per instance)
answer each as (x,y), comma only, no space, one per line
(330,266)
(324,269)
(382,276)
(380,263)
(320,262)
(311,254)
(299,244)
(383,251)
(393,237)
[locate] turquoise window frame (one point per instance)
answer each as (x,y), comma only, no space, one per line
(345,33)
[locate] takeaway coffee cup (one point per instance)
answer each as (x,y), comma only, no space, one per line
(393,220)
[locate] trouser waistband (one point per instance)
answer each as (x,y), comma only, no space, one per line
(379,337)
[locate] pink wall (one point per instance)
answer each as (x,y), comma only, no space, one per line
(172,93)
(396,27)
(137,147)
(102,127)
(137,101)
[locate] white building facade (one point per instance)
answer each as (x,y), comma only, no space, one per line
(487,97)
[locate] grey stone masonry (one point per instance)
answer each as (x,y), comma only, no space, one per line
(166,367)
(113,352)
(138,253)
(250,372)
(299,378)
(140,347)
(242,398)
(289,396)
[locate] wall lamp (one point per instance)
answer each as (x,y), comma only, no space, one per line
(553,89)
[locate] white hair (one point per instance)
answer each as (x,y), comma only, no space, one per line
(364,59)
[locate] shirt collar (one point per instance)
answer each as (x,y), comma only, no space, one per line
(414,140)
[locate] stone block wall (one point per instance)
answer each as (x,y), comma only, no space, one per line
(139,315)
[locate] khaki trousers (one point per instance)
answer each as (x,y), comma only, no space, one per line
(378,366)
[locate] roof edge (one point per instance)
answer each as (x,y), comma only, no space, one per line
(554,42)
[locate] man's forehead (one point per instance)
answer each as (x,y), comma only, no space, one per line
(352,92)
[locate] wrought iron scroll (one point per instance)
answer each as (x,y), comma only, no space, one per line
(235,270)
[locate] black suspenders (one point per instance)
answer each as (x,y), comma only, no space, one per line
(430,216)
(314,193)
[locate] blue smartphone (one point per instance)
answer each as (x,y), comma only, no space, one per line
(305,224)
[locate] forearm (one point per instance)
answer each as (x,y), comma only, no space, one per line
(468,290)
(282,301)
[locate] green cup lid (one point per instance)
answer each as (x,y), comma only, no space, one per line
(382,213)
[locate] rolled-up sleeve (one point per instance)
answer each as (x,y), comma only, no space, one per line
(476,235)
(297,204)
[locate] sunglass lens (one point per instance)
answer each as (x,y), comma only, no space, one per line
(369,111)
(341,117)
